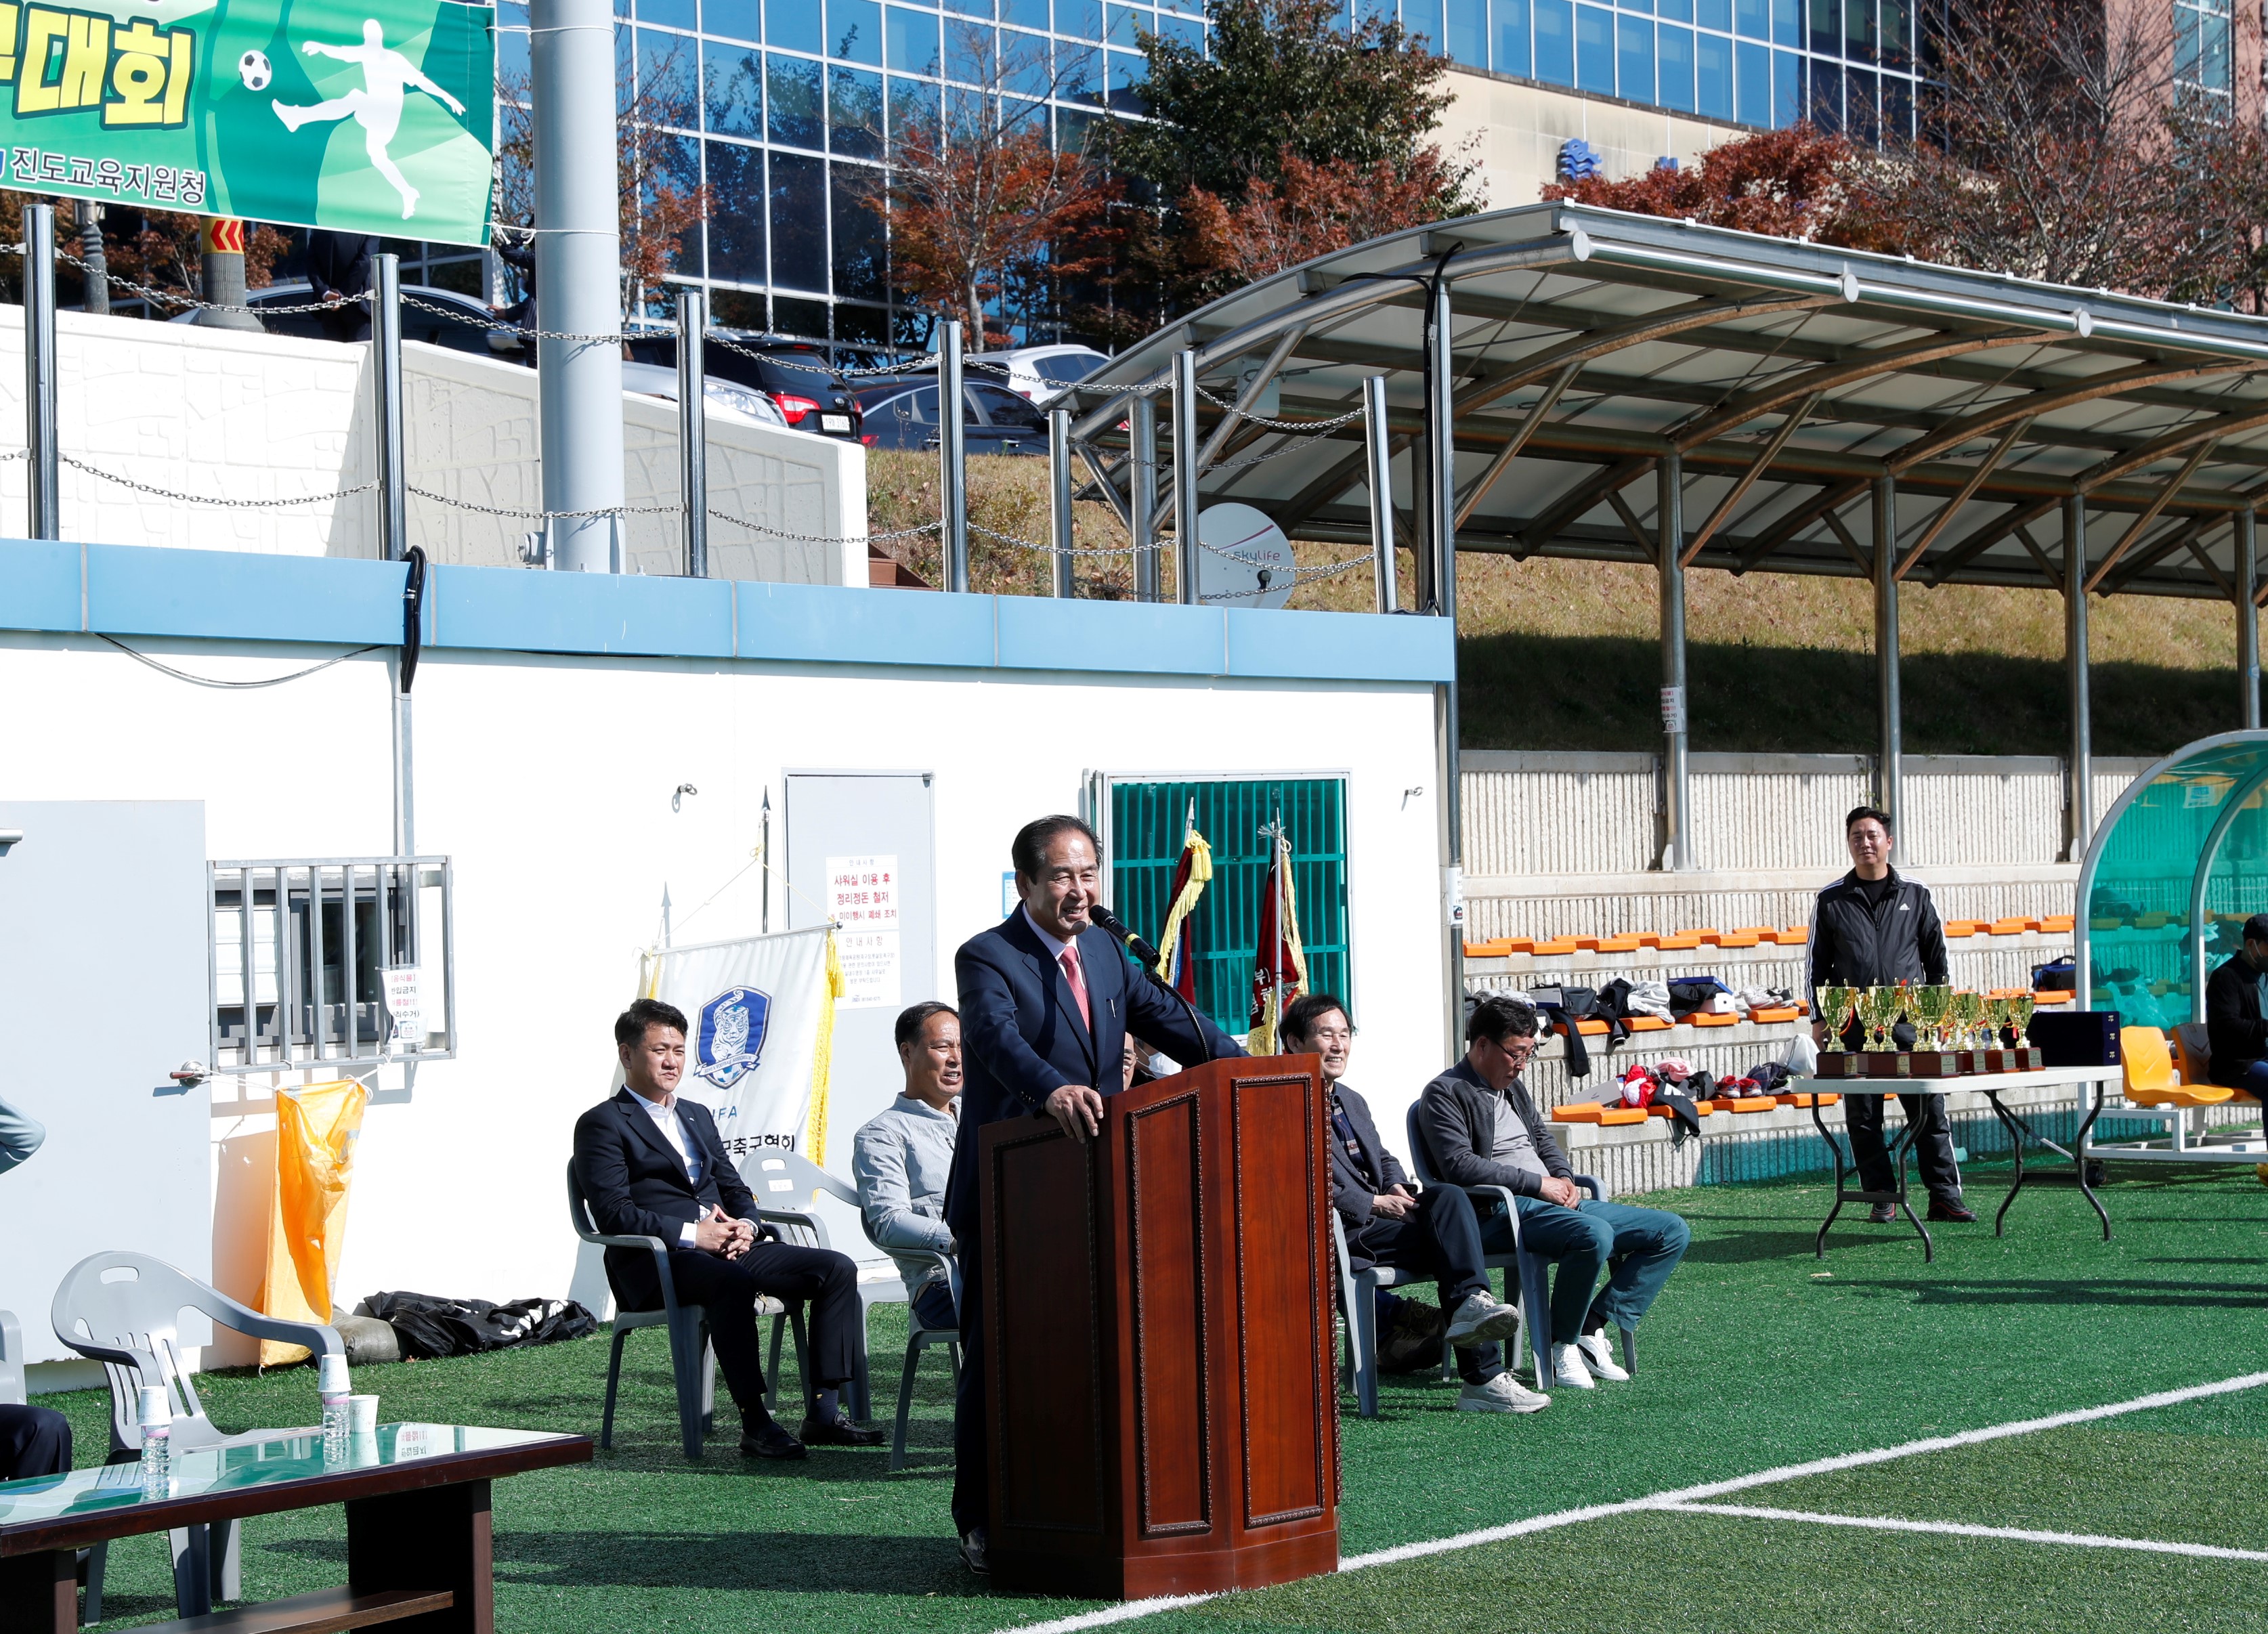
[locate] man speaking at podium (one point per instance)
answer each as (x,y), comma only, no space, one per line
(1046,1002)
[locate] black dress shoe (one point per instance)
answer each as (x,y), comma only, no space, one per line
(973,1545)
(1955,1212)
(1883,1214)
(770,1439)
(839,1431)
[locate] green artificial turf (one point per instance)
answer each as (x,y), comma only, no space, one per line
(1757,1357)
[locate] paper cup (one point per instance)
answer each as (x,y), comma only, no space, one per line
(331,1375)
(155,1408)
(362,1415)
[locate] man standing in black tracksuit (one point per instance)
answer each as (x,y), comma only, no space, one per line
(1872,929)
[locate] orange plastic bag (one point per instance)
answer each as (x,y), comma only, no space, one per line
(316,1128)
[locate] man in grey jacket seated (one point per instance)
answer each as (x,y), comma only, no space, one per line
(901,1158)
(1481,1130)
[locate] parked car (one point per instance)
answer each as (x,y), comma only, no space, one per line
(728,398)
(462,324)
(902,413)
(1037,372)
(809,393)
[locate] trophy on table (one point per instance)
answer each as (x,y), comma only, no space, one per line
(1968,1016)
(1879,1007)
(1994,1056)
(1837,1006)
(2027,1055)
(1932,1008)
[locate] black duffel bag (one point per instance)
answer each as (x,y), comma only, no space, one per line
(431,1327)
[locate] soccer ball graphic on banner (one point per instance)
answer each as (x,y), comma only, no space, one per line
(252,69)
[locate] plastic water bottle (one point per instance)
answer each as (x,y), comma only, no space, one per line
(332,1384)
(156,1417)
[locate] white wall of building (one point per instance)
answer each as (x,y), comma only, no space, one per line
(548,781)
(1513,129)
(241,417)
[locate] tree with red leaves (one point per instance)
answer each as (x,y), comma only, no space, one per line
(1314,209)
(1796,183)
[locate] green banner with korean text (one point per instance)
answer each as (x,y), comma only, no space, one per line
(374,117)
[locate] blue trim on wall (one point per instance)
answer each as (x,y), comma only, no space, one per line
(132,590)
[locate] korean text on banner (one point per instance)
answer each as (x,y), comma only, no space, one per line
(760,1054)
(316,1128)
(373,118)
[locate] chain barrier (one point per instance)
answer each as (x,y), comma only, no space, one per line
(541,516)
(1316,426)
(824,539)
(1058,550)
(208,499)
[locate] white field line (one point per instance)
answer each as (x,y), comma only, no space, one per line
(1132,1609)
(1954,1528)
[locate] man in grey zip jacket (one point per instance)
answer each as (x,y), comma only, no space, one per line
(1481,1129)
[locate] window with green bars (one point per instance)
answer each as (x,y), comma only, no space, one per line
(1148,821)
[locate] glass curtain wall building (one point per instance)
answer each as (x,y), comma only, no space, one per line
(786,109)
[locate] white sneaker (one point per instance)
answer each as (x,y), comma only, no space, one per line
(1567,1362)
(1482,1320)
(1503,1393)
(1599,1358)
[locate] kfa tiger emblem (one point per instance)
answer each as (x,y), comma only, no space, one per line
(730,1044)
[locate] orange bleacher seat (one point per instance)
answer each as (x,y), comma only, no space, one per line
(1621,944)
(2107,922)
(2013,926)
(2152,922)
(1791,936)
(1776,1012)
(2151,1081)
(1578,1112)
(1589,1029)
(1681,942)
(2052,998)
(1825,1101)
(1648,1024)
(1707,933)
(1588,944)
(2059,924)
(1959,928)
(1753,1103)
(1623,1114)
(1738,938)
(1756,930)
(1702,1018)
(1487,950)
(1556,947)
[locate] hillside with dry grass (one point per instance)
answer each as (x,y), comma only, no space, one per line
(1565,655)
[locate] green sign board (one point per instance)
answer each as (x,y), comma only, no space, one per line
(367,118)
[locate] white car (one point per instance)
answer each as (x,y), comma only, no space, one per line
(1037,373)
(724,398)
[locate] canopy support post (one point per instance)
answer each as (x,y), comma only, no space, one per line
(2078,798)
(1890,777)
(2248,615)
(1669,559)
(1438,482)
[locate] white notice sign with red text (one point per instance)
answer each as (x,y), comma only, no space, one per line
(862,899)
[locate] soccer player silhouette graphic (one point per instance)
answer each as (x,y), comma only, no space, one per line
(387,78)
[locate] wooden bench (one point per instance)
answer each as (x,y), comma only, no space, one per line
(323,1612)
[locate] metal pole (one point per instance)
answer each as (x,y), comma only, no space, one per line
(1059,517)
(1889,777)
(1676,770)
(953,453)
(97,298)
(1143,426)
(2079,806)
(1442,451)
(385,375)
(221,271)
(1185,476)
(44,493)
(1379,454)
(577,274)
(2248,615)
(693,428)
(1434,497)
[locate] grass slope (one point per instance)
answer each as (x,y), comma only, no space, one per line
(1560,655)
(1757,1357)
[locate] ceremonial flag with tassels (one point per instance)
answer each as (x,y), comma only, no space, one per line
(1280,965)
(1177,946)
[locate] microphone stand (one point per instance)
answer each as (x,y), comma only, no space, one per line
(1149,959)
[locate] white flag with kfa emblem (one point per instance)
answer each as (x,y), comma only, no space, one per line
(761,1010)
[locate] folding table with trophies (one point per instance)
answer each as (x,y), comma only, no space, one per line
(1961,1048)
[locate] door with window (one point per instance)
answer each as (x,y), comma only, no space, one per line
(1146,826)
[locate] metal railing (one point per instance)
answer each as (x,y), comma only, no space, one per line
(306,958)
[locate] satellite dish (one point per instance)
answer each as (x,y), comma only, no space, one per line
(1257,569)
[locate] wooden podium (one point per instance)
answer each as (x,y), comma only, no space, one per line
(1162,1399)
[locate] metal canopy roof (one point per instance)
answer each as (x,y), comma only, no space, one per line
(1589,345)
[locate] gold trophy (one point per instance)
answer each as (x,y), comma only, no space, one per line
(1879,1007)
(1933,1018)
(2027,1054)
(1969,1016)
(1835,1008)
(1994,1056)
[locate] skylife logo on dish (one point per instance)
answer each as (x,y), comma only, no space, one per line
(729,1042)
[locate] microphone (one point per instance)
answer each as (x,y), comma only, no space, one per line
(1148,957)
(1114,927)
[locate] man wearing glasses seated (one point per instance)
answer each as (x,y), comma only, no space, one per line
(1481,1129)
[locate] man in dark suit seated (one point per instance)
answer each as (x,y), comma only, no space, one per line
(1387,1224)
(651,1166)
(2236,1014)
(1046,1002)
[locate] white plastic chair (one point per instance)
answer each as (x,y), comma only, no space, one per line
(124,1310)
(11,1361)
(776,1176)
(1358,1300)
